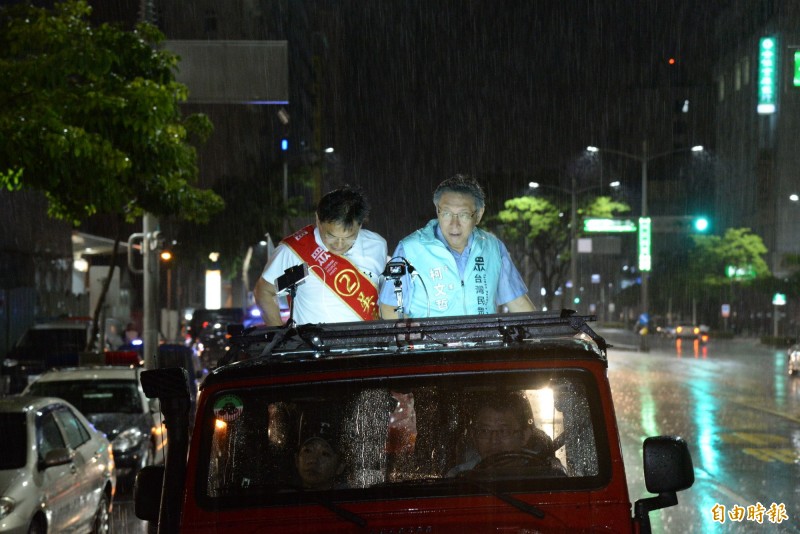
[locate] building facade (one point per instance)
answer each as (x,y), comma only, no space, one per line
(757,124)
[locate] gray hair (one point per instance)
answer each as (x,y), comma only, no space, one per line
(462,184)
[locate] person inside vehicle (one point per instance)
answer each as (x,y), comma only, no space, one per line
(344,262)
(460,269)
(503,432)
(318,460)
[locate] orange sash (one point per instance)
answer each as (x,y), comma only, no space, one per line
(341,276)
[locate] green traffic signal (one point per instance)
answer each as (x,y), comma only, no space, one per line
(701,224)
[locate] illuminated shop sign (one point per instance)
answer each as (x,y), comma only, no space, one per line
(796,80)
(609,225)
(767,75)
(645,259)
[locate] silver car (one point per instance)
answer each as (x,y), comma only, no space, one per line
(112,399)
(56,470)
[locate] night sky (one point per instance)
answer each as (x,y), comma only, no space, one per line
(501,89)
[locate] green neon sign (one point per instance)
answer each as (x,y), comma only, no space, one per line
(609,225)
(767,74)
(796,80)
(645,232)
(740,273)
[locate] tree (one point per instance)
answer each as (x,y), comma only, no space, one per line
(739,249)
(722,266)
(538,236)
(89,116)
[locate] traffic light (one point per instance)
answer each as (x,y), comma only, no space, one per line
(701,224)
(284,144)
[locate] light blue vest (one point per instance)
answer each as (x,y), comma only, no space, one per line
(447,294)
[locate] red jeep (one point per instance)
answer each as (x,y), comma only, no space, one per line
(498,423)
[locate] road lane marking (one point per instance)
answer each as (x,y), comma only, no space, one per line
(786,456)
(776,413)
(757,439)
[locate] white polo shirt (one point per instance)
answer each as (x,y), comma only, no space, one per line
(315,302)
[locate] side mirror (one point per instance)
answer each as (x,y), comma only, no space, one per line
(667,464)
(147,492)
(667,469)
(56,457)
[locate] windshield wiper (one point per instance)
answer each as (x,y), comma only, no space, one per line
(461,481)
(506,498)
(318,498)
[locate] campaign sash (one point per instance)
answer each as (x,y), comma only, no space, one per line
(340,275)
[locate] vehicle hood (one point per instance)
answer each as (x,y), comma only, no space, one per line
(111,424)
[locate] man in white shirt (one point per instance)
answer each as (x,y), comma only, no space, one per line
(344,261)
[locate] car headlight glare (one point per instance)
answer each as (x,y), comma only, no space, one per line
(127,440)
(7,505)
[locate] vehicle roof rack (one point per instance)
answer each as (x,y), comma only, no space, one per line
(318,340)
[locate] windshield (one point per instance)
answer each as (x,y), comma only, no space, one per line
(537,431)
(93,396)
(13,445)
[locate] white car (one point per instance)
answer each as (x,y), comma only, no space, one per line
(794,359)
(56,470)
(112,399)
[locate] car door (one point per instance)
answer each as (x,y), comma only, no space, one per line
(60,483)
(88,454)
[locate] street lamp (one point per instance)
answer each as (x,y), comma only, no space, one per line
(644,158)
(573,229)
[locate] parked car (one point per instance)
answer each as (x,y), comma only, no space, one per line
(203,318)
(46,346)
(41,347)
(112,399)
(794,359)
(392,412)
(56,470)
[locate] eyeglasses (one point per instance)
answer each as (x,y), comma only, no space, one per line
(499,433)
(464,216)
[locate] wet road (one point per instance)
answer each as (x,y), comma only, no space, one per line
(739,410)
(123,518)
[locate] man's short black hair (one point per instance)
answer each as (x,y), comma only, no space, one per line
(346,205)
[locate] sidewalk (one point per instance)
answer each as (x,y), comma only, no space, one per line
(619,338)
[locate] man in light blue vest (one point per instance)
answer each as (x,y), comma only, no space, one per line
(453,267)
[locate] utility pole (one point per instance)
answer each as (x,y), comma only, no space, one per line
(149,253)
(645,273)
(573,242)
(150,289)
